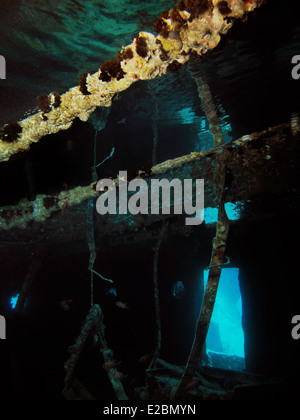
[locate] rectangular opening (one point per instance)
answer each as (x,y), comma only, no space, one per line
(225,338)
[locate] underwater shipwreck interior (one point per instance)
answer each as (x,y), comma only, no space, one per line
(145,306)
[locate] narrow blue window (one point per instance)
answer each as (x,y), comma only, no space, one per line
(225,335)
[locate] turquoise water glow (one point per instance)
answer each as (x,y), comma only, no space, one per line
(13,301)
(225,334)
(233,212)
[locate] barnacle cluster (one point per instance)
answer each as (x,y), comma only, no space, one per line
(194,26)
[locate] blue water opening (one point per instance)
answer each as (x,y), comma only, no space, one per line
(13,301)
(233,212)
(225,335)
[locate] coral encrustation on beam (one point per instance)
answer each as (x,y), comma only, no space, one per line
(194,26)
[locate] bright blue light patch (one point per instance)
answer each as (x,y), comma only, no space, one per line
(210,215)
(225,334)
(203,124)
(111,291)
(233,212)
(187,115)
(13,301)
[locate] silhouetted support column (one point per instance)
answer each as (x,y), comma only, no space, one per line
(217,258)
(93,325)
(219,242)
(156,296)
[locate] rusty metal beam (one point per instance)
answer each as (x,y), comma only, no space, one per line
(93,326)
(256,164)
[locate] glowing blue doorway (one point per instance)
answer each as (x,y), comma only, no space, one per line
(225,335)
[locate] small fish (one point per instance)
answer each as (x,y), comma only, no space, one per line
(65,304)
(111,291)
(122,305)
(110,365)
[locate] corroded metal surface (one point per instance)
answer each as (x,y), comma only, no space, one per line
(146,58)
(257,164)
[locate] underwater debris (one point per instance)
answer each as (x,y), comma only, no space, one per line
(11,132)
(122,305)
(93,325)
(107,157)
(101,277)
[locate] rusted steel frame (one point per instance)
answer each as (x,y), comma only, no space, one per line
(207,101)
(94,326)
(219,242)
(258,155)
(156,295)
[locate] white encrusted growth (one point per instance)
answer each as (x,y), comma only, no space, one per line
(200,35)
